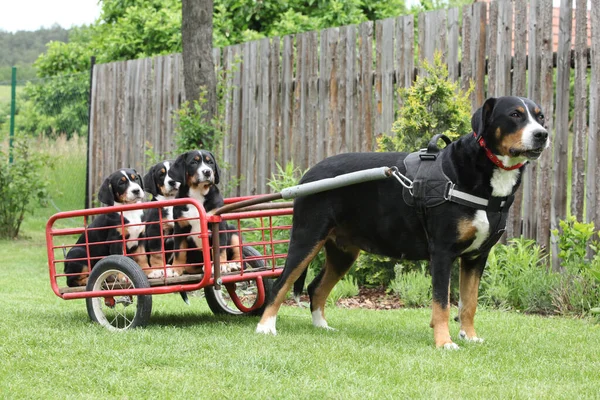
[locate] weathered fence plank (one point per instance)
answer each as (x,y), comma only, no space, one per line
(365,86)
(593,173)
(384,76)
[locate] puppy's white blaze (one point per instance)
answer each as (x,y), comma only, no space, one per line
(481,223)
(131,187)
(532,126)
(203,178)
(319,321)
(503,181)
(268,327)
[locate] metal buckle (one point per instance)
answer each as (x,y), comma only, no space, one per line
(449,187)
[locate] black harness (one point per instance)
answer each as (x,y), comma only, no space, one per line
(431,187)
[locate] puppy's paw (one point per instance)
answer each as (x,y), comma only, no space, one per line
(230,267)
(451,346)
(155,274)
(463,336)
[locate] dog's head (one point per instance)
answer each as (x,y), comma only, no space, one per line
(512,127)
(158,182)
(123,186)
(196,168)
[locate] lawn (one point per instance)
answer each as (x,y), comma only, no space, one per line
(49,349)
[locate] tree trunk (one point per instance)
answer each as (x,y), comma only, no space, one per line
(198,66)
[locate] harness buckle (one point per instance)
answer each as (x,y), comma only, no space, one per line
(403,179)
(449,188)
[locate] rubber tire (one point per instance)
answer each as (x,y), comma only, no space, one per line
(214,297)
(138,279)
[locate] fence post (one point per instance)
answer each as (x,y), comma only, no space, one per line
(87,162)
(13,102)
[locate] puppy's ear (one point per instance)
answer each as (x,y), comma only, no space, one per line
(149,186)
(105,194)
(139,180)
(177,170)
(217,169)
(482,117)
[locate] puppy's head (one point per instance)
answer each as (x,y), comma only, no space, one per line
(197,168)
(512,127)
(123,186)
(158,182)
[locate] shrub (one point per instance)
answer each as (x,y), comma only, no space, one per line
(191,129)
(433,104)
(413,287)
(347,287)
(22,186)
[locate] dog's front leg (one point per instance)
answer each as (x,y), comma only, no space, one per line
(441,264)
(470,275)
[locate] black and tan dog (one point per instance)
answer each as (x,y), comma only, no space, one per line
(161,186)
(121,187)
(198,172)
(483,170)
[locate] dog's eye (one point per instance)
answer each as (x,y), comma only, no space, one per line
(515,114)
(541,117)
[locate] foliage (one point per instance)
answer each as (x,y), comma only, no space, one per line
(345,288)
(516,277)
(413,287)
(191,129)
(22,186)
(373,269)
(434,104)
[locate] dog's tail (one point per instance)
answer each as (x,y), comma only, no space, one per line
(299,286)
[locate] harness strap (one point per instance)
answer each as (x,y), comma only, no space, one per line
(494,204)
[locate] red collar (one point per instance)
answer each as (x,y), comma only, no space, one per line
(493,158)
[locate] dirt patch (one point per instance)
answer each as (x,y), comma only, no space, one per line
(367,298)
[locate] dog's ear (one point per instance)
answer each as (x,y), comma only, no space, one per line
(149,186)
(139,180)
(481,118)
(177,170)
(105,194)
(217,169)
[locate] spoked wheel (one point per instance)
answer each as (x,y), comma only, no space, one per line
(118,313)
(239,298)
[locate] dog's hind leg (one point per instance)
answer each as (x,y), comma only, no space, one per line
(302,250)
(338,262)
(470,275)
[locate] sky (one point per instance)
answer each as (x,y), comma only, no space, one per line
(30,15)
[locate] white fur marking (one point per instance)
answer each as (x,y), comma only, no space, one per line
(268,327)
(503,181)
(532,126)
(451,346)
(319,321)
(130,196)
(463,335)
(481,223)
(133,217)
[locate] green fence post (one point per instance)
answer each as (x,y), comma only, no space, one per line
(13,102)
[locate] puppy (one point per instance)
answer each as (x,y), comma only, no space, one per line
(121,187)
(161,186)
(198,173)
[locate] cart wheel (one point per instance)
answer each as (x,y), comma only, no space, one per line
(118,313)
(223,301)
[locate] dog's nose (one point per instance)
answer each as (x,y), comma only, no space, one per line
(136,192)
(172,183)
(206,172)
(540,136)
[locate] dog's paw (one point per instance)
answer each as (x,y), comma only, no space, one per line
(230,267)
(171,273)
(155,274)
(319,321)
(474,339)
(451,346)
(268,327)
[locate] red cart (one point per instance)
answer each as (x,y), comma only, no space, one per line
(118,293)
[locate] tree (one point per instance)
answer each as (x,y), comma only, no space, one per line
(198,67)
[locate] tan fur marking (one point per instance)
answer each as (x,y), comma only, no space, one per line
(180,257)
(512,141)
(156,260)
(537,110)
(272,309)
(82,279)
(439,323)
(124,179)
(162,170)
(466,230)
(521,110)
(235,242)
(469,289)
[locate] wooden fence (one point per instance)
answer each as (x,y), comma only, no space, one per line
(303,97)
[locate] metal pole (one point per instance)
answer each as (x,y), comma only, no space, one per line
(13,102)
(87,202)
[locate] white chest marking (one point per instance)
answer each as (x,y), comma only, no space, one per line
(503,181)
(481,223)
(193,213)
(134,217)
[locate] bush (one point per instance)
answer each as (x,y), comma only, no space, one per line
(191,129)
(413,287)
(433,104)
(347,287)
(516,277)
(22,186)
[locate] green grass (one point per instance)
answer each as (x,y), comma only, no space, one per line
(49,349)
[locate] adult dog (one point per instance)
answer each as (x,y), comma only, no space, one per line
(479,173)
(198,172)
(104,234)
